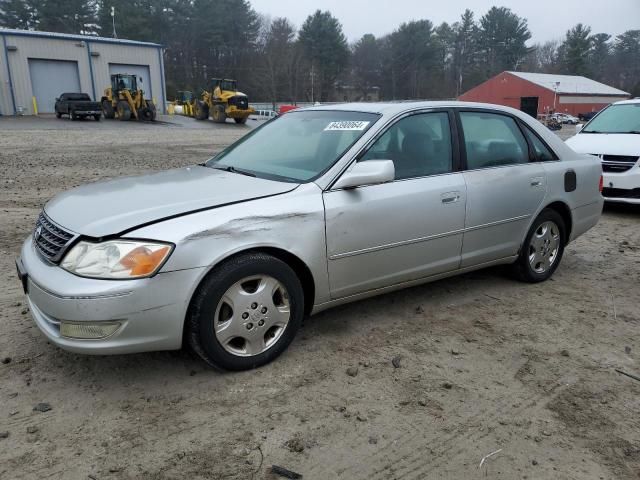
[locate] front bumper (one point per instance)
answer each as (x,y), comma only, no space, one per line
(622,187)
(151,311)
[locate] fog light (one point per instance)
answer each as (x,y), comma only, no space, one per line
(88,331)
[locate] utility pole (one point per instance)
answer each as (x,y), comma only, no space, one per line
(312,84)
(113,21)
(555,94)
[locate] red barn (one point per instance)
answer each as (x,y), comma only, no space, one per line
(539,93)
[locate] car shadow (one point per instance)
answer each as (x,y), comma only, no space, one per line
(626,209)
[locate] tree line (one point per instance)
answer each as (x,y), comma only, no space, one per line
(273,60)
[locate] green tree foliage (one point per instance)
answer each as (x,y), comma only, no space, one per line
(502,38)
(413,57)
(574,51)
(366,62)
(326,51)
(279,58)
(465,51)
(66,16)
(273,61)
(17,14)
(627,61)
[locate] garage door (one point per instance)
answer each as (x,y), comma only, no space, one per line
(50,78)
(139,70)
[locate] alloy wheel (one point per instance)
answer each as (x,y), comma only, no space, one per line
(544,247)
(252,315)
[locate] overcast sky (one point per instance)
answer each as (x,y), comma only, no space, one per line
(548,19)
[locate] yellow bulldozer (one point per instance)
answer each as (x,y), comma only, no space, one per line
(222,101)
(125,99)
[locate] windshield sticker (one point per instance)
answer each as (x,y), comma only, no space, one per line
(347,126)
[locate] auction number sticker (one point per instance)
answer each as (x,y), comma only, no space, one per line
(347,126)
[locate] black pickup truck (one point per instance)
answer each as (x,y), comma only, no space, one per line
(77,105)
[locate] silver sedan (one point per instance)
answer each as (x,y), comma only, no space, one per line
(316,208)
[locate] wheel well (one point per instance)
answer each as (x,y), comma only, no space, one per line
(299,267)
(565,212)
(301,270)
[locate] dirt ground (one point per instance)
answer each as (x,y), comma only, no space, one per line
(483,364)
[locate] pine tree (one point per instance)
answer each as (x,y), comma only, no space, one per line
(17,14)
(574,51)
(326,50)
(66,16)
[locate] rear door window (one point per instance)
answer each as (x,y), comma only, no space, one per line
(492,140)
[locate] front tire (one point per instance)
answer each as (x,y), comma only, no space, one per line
(202,110)
(246,312)
(219,114)
(542,249)
(124,112)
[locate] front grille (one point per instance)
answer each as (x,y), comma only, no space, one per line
(617,163)
(621,193)
(242,103)
(50,239)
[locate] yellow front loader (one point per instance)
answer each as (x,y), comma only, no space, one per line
(126,101)
(223,101)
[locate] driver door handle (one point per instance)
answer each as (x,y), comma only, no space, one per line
(450,197)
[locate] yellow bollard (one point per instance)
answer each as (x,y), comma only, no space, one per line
(35,105)
(171,109)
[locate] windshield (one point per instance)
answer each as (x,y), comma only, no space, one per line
(623,118)
(297,147)
(124,82)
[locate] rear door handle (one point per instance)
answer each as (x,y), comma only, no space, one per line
(536,181)
(450,197)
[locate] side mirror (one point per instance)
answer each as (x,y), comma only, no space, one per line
(371,172)
(57,99)
(579,127)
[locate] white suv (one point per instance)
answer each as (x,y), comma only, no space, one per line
(614,136)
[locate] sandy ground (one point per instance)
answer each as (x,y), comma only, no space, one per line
(485,364)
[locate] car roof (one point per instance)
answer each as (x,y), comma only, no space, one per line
(630,101)
(392,108)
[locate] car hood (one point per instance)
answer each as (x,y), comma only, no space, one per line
(606,143)
(114,206)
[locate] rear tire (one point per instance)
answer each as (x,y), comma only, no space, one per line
(97,117)
(72,115)
(58,115)
(107,109)
(124,112)
(245,313)
(145,114)
(202,110)
(542,249)
(152,108)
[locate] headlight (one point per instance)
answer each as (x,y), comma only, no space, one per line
(116,259)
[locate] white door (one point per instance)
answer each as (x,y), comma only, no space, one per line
(50,79)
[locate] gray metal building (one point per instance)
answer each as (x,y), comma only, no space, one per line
(36,67)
